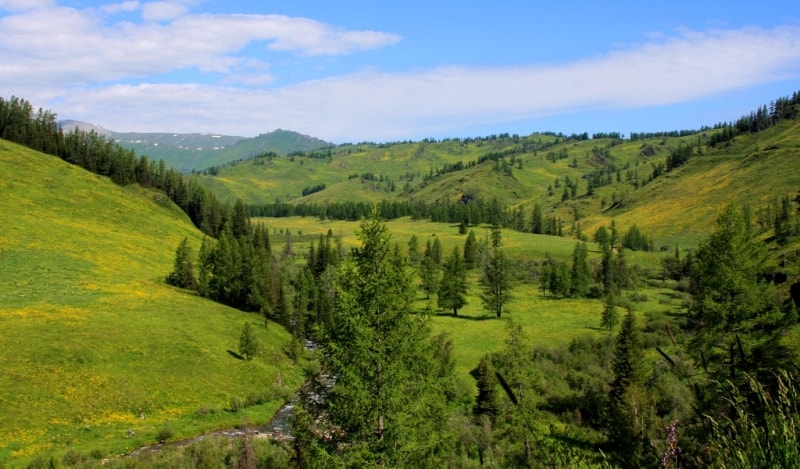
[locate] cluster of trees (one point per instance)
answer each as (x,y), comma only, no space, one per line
(785,108)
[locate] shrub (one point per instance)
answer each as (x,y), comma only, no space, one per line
(164,434)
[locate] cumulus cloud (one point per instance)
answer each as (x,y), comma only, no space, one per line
(126,6)
(385,106)
(54,45)
(163,11)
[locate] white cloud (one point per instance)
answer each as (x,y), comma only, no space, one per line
(24,5)
(386,106)
(163,11)
(122,7)
(56,45)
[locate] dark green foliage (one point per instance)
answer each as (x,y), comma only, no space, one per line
(414,256)
(453,287)
(495,282)
(733,315)
(470,251)
(635,240)
(486,402)
(610,316)
(555,278)
(631,411)
(537,225)
(182,274)
(386,404)
(581,274)
(248,343)
(429,276)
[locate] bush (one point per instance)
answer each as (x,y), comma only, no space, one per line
(164,434)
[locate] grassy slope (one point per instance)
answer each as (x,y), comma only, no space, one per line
(92,339)
(548,322)
(677,208)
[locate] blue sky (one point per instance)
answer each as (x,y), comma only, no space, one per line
(352,71)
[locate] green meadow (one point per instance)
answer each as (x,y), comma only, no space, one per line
(97,353)
(548,322)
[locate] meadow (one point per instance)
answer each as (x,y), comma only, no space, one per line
(548,322)
(97,353)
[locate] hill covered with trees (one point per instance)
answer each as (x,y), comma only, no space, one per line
(545,300)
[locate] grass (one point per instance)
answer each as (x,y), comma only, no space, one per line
(97,353)
(547,321)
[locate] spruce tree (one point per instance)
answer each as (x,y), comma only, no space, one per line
(248,344)
(182,274)
(580,275)
(486,402)
(470,251)
(453,287)
(496,282)
(382,359)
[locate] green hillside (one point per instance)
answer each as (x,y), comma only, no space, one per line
(97,353)
(676,207)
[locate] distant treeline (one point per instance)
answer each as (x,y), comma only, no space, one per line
(785,108)
(40,131)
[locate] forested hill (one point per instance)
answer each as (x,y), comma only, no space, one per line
(197,151)
(671,183)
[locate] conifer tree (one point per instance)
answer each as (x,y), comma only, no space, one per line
(248,344)
(470,251)
(182,274)
(453,287)
(486,402)
(382,358)
(580,275)
(496,282)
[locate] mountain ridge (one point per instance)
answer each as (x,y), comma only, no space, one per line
(195,151)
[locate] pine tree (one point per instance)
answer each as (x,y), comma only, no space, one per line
(629,408)
(537,225)
(182,274)
(610,316)
(733,315)
(382,358)
(496,282)
(248,344)
(429,276)
(486,402)
(580,275)
(470,251)
(453,287)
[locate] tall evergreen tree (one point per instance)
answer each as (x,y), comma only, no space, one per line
(486,402)
(182,274)
(629,406)
(733,315)
(470,251)
(453,287)
(580,275)
(385,406)
(496,282)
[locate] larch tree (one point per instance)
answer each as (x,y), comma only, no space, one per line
(386,404)
(182,274)
(453,287)
(495,282)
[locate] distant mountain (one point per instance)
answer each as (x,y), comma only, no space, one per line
(195,151)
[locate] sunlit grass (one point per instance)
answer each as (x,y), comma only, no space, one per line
(97,353)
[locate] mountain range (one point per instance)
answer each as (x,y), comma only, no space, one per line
(198,151)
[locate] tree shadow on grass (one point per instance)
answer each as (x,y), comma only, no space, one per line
(235,355)
(467,318)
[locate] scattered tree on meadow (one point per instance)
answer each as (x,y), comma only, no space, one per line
(453,287)
(248,343)
(182,274)
(581,274)
(610,316)
(471,251)
(495,282)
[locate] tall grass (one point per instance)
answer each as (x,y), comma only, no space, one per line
(762,434)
